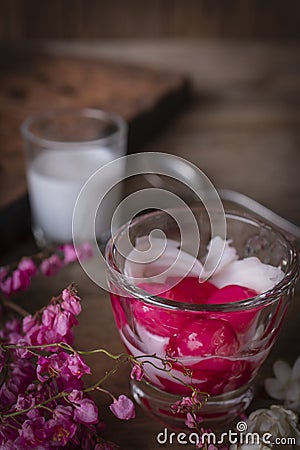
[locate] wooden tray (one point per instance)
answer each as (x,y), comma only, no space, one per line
(32,82)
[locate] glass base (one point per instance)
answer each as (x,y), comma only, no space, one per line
(218,412)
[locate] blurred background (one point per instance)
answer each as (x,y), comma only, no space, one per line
(214,81)
(96,19)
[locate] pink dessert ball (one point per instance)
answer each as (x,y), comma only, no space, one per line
(240,321)
(163,321)
(190,290)
(203,337)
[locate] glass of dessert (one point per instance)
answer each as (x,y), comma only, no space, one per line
(216,328)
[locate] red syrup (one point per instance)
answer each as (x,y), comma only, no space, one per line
(211,345)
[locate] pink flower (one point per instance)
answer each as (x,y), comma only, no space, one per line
(50,366)
(5,281)
(137,372)
(20,280)
(13,326)
(63,322)
(3,273)
(123,408)
(49,315)
(24,402)
(42,335)
(33,431)
(28,323)
(85,251)
(183,405)
(2,360)
(6,286)
(77,366)
(86,412)
(85,409)
(61,427)
(69,253)
(63,412)
(51,265)
(23,352)
(71,302)
(28,266)
(33,413)
(8,394)
(190,420)
(61,431)
(58,321)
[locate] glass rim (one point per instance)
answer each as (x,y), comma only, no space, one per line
(54,144)
(264,298)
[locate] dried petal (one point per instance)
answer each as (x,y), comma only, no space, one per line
(137,372)
(86,411)
(123,408)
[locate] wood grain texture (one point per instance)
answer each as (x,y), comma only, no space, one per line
(242,127)
(94,19)
(97,329)
(242,130)
(33,82)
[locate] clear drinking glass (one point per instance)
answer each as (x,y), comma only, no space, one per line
(150,324)
(63,148)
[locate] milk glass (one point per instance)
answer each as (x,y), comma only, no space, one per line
(63,148)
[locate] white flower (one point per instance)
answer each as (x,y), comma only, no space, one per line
(260,446)
(286,385)
(277,421)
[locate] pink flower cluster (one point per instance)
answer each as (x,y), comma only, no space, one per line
(13,281)
(190,407)
(43,402)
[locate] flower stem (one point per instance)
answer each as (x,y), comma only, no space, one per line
(39,405)
(14,307)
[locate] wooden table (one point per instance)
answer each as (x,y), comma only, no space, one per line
(242,130)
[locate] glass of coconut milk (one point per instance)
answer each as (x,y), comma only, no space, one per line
(63,148)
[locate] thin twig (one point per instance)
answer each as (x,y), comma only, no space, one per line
(13,306)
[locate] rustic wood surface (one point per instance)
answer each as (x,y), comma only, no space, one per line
(63,19)
(31,82)
(243,131)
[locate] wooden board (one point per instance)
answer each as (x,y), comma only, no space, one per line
(245,136)
(32,82)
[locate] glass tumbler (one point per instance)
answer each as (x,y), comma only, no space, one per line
(151,324)
(63,148)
